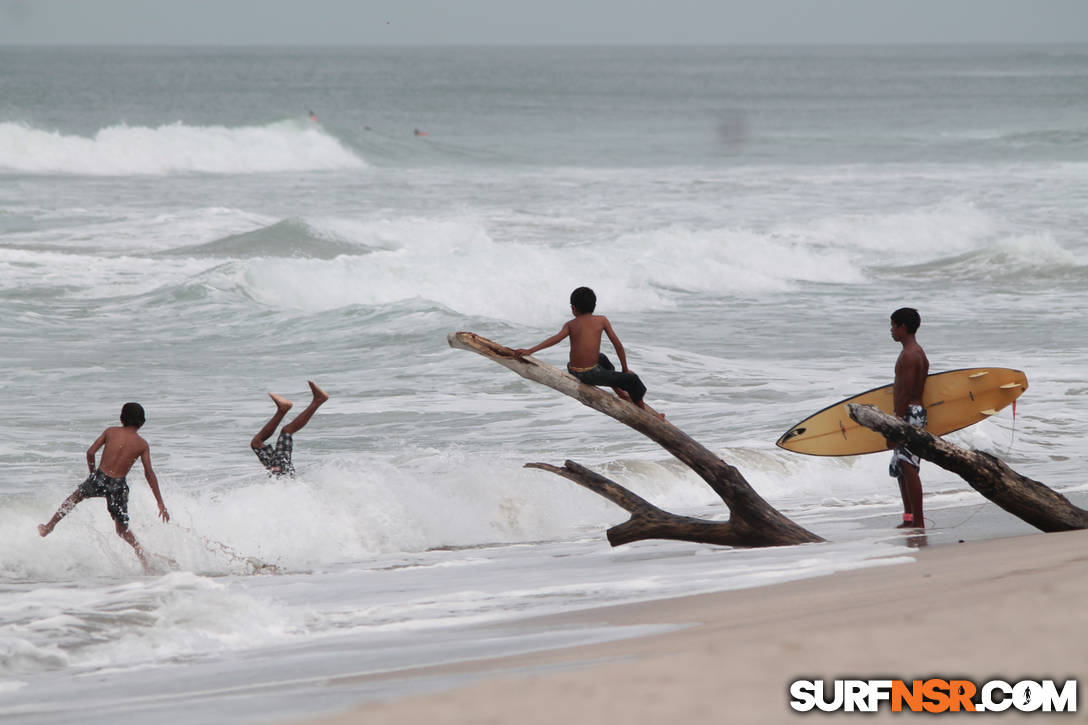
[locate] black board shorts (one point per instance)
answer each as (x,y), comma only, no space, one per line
(115,491)
(604,374)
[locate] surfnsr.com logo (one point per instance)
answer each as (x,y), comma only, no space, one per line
(934,695)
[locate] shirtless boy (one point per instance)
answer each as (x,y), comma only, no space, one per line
(123,445)
(587,362)
(278,460)
(911,370)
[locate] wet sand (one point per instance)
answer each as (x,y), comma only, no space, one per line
(1011,609)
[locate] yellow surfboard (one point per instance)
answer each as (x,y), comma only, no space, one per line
(953,400)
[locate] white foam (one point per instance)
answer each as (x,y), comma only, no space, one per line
(139,150)
(359,506)
(135,230)
(1038,250)
(20,655)
(175,615)
(92,276)
(447,261)
(356,506)
(914,234)
(730,261)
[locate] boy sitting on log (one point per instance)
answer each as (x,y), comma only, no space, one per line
(587,362)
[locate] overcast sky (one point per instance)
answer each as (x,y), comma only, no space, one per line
(516,22)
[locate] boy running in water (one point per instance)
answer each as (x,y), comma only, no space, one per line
(123,445)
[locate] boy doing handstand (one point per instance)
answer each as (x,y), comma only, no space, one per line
(123,445)
(587,362)
(278,460)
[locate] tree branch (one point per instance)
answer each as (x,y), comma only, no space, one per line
(598,484)
(648,521)
(753,520)
(1023,497)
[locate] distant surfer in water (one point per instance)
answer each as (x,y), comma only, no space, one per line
(278,460)
(587,362)
(123,445)
(911,370)
(313,116)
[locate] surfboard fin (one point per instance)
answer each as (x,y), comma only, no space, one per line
(1009,386)
(979,374)
(988,411)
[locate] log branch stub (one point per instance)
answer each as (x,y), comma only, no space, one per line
(598,484)
(648,521)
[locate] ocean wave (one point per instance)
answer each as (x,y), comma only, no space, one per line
(49,274)
(457,264)
(175,148)
(353,506)
(287,238)
(952,225)
(1063,138)
(177,615)
(1037,255)
(88,231)
(348,508)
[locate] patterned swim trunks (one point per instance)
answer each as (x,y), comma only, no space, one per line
(115,490)
(277,460)
(916,416)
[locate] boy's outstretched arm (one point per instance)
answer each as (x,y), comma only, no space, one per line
(557,337)
(153,482)
(98,443)
(616,344)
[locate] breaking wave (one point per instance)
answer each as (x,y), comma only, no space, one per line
(175,148)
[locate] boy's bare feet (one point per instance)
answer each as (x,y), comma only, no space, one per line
(624,395)
(910,523)
(651,411)
(320,396)
(282,404)
(44,530)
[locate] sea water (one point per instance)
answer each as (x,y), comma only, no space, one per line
(176,229)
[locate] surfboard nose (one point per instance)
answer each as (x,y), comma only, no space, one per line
(800,430)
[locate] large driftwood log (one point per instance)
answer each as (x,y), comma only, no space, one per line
(752,522)
(1023,497)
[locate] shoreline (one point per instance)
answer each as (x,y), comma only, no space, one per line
(1008,608)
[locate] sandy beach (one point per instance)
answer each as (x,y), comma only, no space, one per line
(1009,609)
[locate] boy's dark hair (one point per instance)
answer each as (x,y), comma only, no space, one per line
(909,317)
(132,414)
(583,299)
